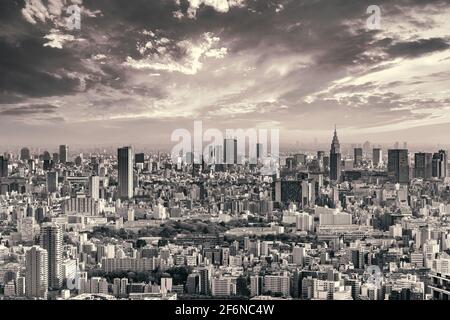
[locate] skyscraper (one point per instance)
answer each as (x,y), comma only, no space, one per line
(218,154)
(55,157)
(52,181)
(205,275)
(300,158)
(25,154)
(320,157)
(139,158)
(440,164)
(63,153)
(3,167)
(398,165)
(36,272)
(259,150)
(335,158)
(288,191)
(94,187)
(358,156)
(46,156)
(125,165)
(192,283)
(423,165)
(52,240)
(377,157)
(230,151)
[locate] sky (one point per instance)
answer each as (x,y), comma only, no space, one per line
(137,70)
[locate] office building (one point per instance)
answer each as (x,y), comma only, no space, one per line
(55,157)
(3,167)
(230,151)
(25,154)
(377,156)
(288,191)
(358,157)
(423,165)
(125,167)
(440,164)
(139,158)
(63,154)
(259,150)
(300,159)
(335,158)
(52,182)
(398,165)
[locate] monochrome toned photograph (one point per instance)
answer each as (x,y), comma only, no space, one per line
(224,157)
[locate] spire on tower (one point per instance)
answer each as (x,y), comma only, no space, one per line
(335,146)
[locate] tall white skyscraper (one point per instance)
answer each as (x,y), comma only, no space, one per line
(36,272)
(125,165)
(94,187)
(52,241)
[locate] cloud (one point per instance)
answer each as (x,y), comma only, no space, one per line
(305,64)
(57,39)
(222,6)
(35,11)
(27,110)
(418,47)
(184,57)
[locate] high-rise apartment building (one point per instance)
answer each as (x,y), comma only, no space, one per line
(36,272)
(94,187)
(52,241)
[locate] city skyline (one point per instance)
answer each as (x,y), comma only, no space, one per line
(138,226)
(136,73)
(237,157)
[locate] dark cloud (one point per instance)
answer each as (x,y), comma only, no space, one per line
(38,109)
(417,48)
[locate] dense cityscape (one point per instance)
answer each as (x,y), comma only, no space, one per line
(224,158)
(370,224)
